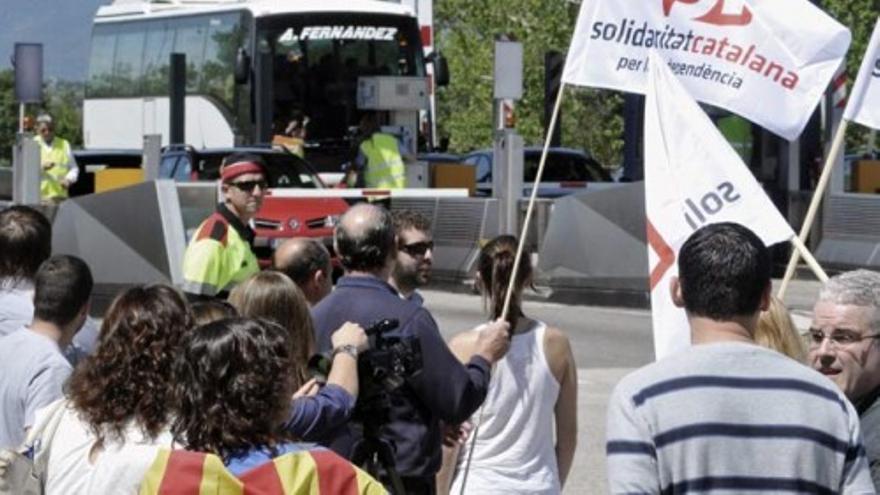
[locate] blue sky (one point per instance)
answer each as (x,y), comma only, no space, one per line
(63,26)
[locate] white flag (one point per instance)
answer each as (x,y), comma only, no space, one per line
(864,103)
(767,60)
(693,177)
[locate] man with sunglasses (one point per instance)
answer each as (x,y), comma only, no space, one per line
(844,346)
(56,159)
(220,254)
(415,254)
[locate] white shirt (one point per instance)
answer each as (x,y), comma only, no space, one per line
(118,469)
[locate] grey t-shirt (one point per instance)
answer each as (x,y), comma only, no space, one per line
(16,305)
(32,373)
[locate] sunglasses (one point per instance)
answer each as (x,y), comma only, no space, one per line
(248,186)
(418,248)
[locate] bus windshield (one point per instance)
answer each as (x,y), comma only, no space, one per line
(317,59)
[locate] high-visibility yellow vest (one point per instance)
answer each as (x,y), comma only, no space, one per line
(385,169)
(59,154)
(217,258)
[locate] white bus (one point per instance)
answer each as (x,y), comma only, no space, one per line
(251,66)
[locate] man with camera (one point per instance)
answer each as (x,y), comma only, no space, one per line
(442,389)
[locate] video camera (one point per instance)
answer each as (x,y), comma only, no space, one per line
(382,368)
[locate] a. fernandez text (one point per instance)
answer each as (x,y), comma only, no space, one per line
(628,32)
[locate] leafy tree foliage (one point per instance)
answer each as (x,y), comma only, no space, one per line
(859,16)
(62,100)
(466,31)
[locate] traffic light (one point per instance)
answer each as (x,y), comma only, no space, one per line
(553,63)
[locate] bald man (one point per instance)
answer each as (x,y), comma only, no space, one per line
(444,389)
(307,262)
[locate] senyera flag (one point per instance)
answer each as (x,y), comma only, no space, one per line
(767,60)
(864,102)
(693,177)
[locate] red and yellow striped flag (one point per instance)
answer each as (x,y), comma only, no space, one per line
(322,472)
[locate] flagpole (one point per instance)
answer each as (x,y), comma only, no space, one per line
(525,229)
(801,248)
(836,146)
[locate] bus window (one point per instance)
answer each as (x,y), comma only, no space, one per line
(101,65)
(128,60)
(189,39)
(160,39)
(225,36)
(317,60)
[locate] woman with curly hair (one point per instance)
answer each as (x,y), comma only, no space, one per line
(232,394)
(119,397)
(316,413)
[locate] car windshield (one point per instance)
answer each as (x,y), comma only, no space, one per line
(285,171)
(562,167)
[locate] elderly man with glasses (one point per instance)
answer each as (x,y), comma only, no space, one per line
(844,347)
(220,253)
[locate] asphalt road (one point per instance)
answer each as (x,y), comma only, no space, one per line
(607,343)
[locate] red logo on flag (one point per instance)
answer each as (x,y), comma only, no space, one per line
(715,15)
(664,252)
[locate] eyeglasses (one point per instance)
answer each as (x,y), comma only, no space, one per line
(418,248)
(838,338)
(248,186)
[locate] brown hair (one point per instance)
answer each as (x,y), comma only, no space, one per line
(776,331)
(275,297)
(130,374)
(495,266)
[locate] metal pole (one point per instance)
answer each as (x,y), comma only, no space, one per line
(21,117)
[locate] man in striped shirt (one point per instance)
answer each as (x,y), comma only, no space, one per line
(725,414)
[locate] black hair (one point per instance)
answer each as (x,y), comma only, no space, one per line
(311,257)
(369,248)
(25,242)
(724,269)
(233,387)
(62,286)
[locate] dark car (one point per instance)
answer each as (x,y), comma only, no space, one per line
(91,161)
(566,171)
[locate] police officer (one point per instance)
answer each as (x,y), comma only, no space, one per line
(59,166)
(220,253)
(380,158)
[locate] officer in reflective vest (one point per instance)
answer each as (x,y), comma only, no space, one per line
(59,166)
(380,158)
(220,253)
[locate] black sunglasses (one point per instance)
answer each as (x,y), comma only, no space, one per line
(418,248)
(248,186)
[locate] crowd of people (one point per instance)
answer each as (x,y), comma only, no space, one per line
(216,382)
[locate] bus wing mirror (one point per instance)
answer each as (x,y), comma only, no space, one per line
(441,69)
(242,66)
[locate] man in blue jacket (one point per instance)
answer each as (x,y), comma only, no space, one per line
(444,389)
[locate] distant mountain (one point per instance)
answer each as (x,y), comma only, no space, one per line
(63,27)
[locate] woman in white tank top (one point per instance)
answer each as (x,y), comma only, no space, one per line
(532,397)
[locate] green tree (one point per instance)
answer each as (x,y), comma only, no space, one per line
(8,116)
(859,16)
(466,30)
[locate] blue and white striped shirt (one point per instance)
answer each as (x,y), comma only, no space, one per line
(734,418)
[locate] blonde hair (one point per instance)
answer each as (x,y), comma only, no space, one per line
(275,297)
(776,331)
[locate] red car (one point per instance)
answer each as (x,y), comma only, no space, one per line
(280,217)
